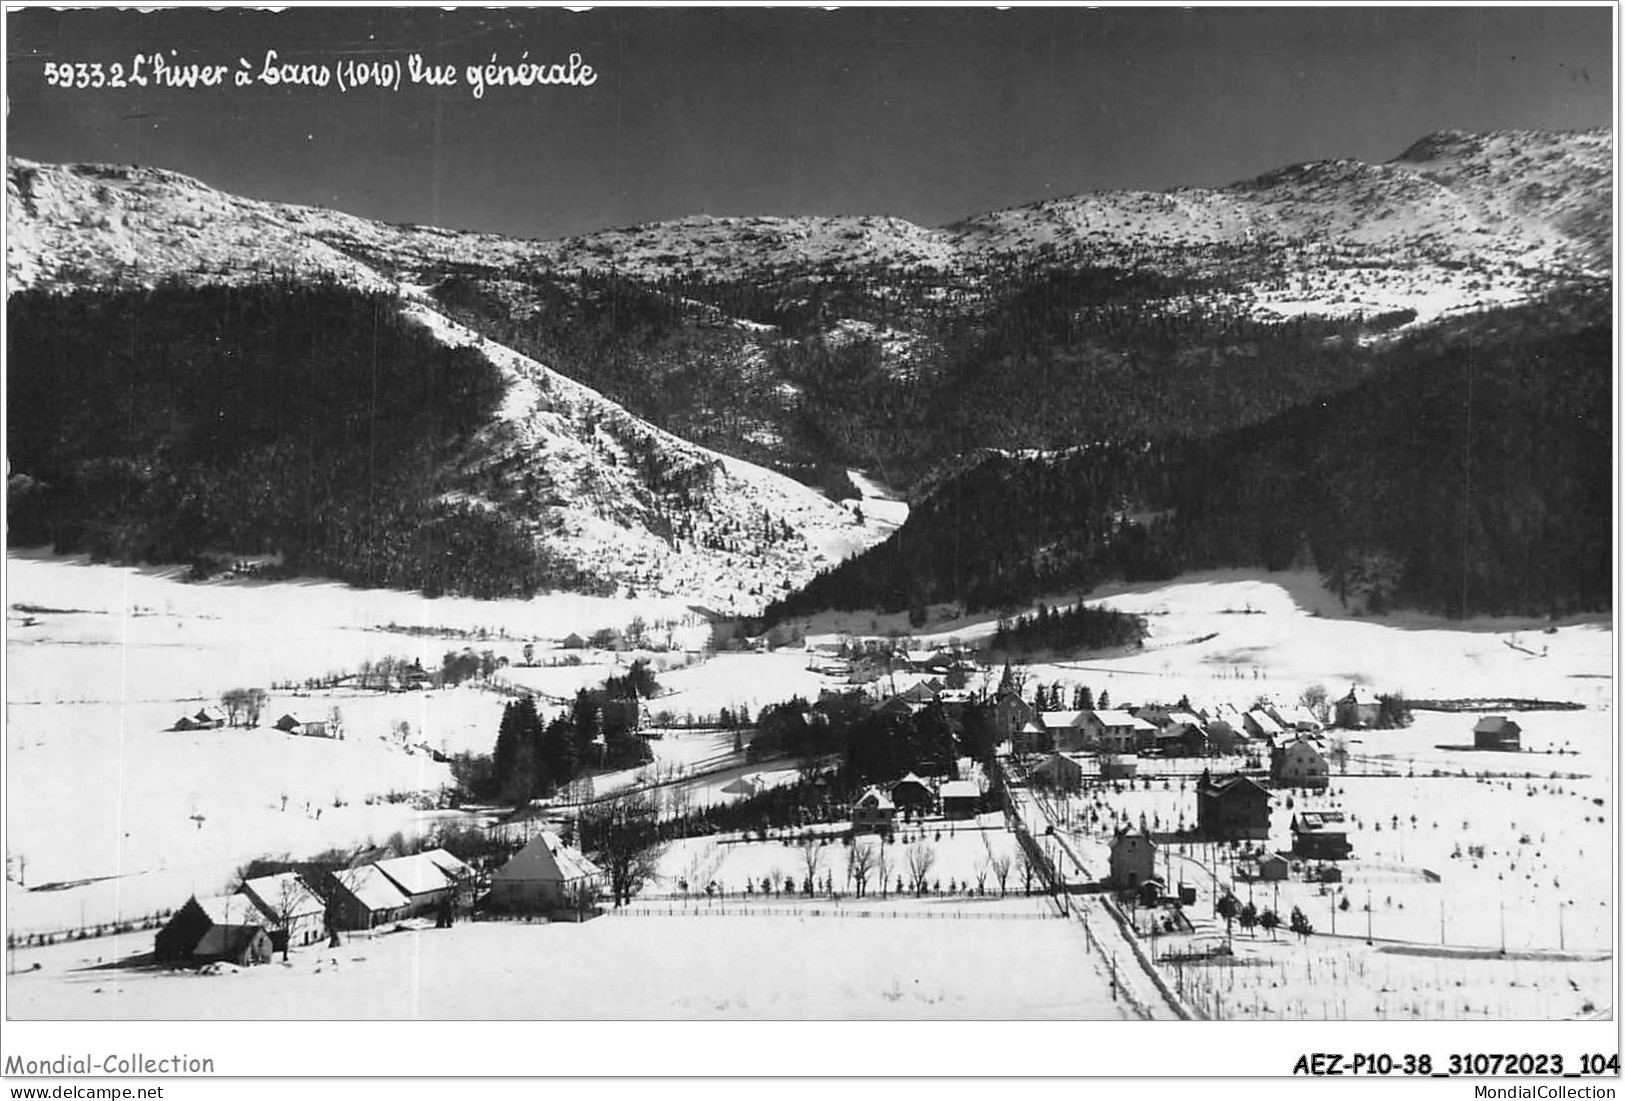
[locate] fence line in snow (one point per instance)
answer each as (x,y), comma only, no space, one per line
(760,911)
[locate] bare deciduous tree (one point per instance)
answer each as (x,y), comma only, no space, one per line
(1315,700)
(623,831)
(921,859)
(1024,864)
(883,866)
(860,861)
(812,858)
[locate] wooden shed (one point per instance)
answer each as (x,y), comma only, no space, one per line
(960,799)
(1497,732)
(225,927)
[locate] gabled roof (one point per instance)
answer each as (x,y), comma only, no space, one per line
(284,894)
(1311,820)
(1058,762)
(415,875)
(372,888)
(743,785)
(1361,697)
(1264,721)
(876,799)
(1121,719)
(1055,720)
(448,863)
(1495,724)
(910,779)
(960,789)
(1301,743)
(1125,836)
(1184,717)
(238,909)
(1234,782)
(548,859)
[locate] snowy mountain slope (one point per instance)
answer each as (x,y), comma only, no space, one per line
(625,503)
(622,499)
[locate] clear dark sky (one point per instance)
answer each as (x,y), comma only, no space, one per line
(928,114)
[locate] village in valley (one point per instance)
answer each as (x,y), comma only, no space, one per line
(1188,827)
(696,545)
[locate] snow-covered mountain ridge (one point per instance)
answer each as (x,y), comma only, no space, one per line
(1455,221)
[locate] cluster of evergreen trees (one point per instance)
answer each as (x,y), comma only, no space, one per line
(878,747)
(534,759)
(287,417)
(1079,627)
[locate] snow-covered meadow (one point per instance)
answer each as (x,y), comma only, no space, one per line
(717,967)
(129,817)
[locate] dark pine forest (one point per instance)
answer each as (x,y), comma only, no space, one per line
(310,421)
(1469,472)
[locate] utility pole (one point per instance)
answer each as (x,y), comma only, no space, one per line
(1368,917)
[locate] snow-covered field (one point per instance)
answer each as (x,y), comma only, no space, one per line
(960,851)
(639,967)
(131,818)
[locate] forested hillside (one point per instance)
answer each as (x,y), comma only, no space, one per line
(289,417)
(1470,473)
(919,368)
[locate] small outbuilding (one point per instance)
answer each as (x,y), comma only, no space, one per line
(743,786)
(1133,859)
(1320,835)
(1119,766)
(960,799)
(1497,732)
(1273,867)
(1058,772)
(225,927)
